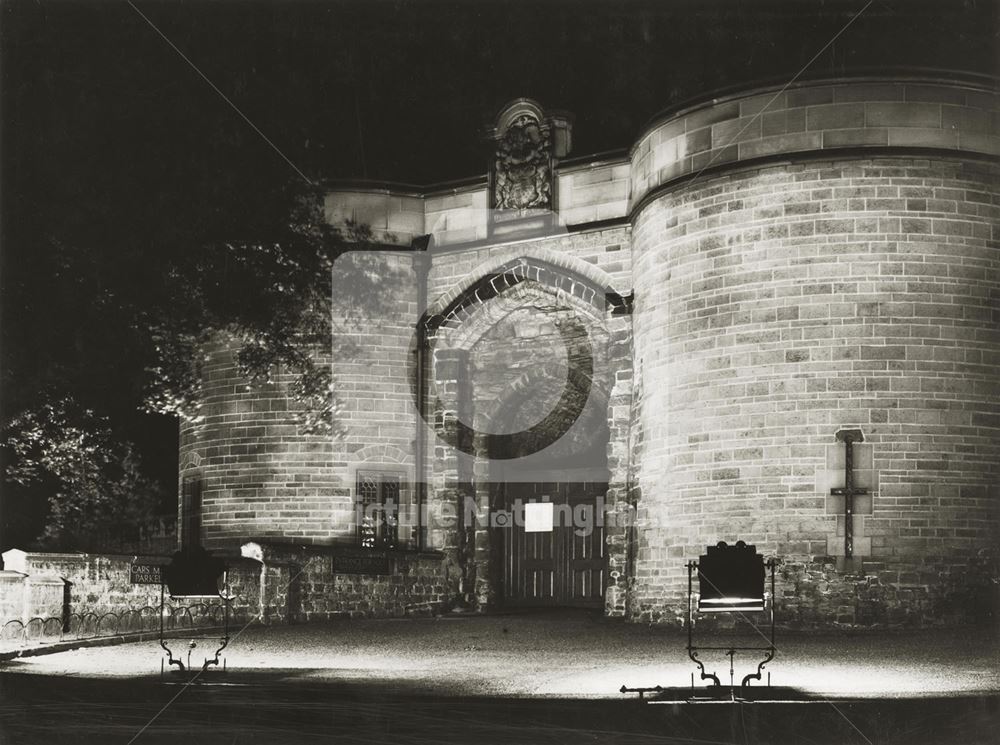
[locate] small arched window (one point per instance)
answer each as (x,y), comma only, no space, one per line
(191,511)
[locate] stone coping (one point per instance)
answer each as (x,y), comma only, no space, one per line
(817,117)
(749,125)
(18,560)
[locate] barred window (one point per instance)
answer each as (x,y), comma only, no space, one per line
(378,510)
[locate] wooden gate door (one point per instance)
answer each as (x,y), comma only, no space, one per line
(583,558)
(557,564)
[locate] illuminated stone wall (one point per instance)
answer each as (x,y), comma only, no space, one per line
(803,261)
(780,301)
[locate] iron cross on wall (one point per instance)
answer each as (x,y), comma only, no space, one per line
(849,491)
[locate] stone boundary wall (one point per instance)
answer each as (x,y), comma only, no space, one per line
(58,585)
(286,584)
(305,587)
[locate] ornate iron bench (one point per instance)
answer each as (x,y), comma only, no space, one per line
(731,579)
(193,574)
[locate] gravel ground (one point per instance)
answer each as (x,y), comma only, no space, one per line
(560,654)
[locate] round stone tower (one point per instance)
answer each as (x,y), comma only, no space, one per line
(812,261)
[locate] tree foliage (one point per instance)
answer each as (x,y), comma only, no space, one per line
(127,336)
(93,479)
(274,295)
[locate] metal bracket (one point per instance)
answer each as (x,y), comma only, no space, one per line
(227,599)
(704,676)
(641,691)
(170,655)
(757,675)
(215,659)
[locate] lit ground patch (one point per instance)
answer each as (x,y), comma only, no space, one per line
(560,654)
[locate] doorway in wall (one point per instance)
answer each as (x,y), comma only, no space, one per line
(554,555)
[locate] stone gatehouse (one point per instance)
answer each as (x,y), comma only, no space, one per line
(591,367)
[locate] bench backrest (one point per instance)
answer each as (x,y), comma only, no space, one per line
(731,578)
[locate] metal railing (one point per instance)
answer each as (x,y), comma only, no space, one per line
(16,634)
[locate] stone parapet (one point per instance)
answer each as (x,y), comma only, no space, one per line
(820,117)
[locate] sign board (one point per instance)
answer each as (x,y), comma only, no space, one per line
(366,562)
(145,574)
(539,517)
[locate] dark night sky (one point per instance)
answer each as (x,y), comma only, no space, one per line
(398,90)
(111,142)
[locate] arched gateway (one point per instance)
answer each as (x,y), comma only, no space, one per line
(526,349)
(674,339)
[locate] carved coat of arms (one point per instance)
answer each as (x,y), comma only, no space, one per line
(523,169)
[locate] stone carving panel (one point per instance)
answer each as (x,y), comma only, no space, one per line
(523,169)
